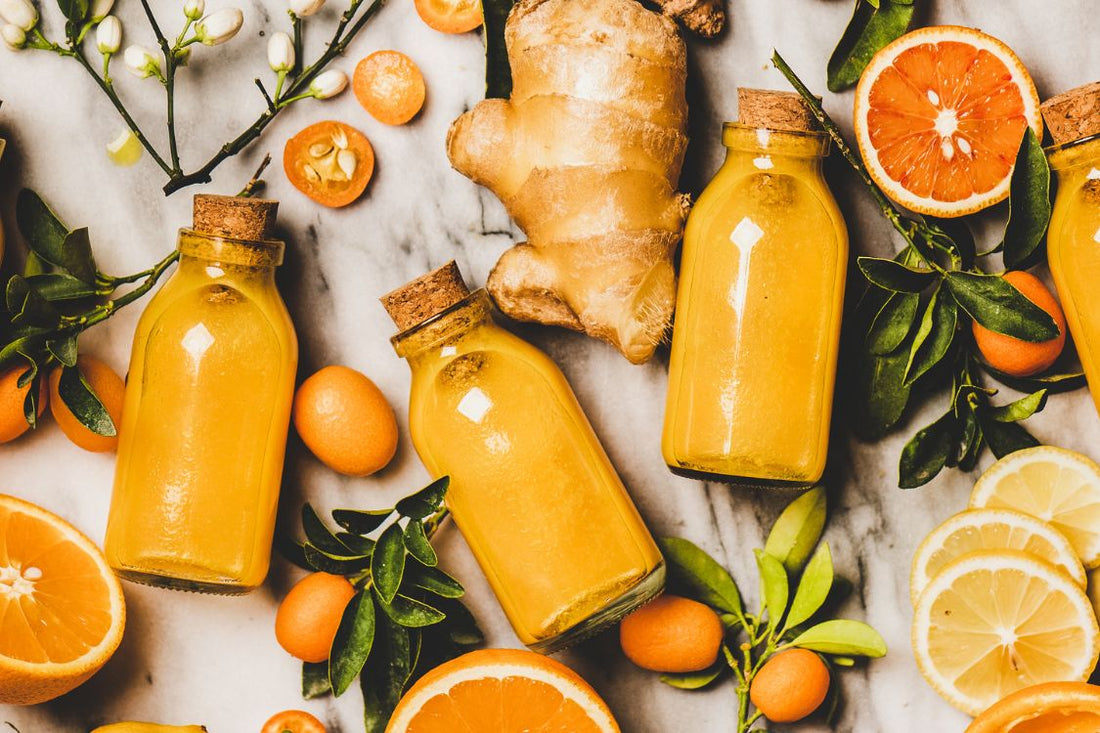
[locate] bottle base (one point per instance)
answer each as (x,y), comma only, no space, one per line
(227,588)
(645,591)
(741,481)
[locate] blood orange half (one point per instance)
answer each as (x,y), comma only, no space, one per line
(939,115)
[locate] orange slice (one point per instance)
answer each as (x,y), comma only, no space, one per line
(504,691)
(1054,707)
(61,607)
(939,116)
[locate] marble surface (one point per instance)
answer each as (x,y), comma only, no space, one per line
(189,658)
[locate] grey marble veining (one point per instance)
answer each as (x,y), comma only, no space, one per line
(189,658)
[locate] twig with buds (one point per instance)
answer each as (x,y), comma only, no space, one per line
(293,83)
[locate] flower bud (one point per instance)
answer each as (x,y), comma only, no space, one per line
(194,9)
(100,9)
(219,26)
(14,37)
(302,8)
(141,62)
(280,52)
(20,13)
(108,36)
(328,84)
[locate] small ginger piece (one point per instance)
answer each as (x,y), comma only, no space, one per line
(586,156)
(705,17)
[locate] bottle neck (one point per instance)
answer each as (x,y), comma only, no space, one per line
(1076,158)
(767,150)
(439,335)
(214,257)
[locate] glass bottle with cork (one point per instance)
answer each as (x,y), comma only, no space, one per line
(1073,240)
(754,347)
(532,489)
(207,410)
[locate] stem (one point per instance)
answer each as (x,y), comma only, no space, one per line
(337,46)
(299,44)
(105,311)
(255,182)
(169,84)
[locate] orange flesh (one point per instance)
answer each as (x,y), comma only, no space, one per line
(928,83)
(508,705)
(450,16)
(67,612)
(390,87)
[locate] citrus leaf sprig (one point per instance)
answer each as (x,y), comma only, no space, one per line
(798,590)
(874,24)
(917,315)
(60,294)
(405,617)
(293,85)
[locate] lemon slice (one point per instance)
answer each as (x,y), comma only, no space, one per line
(125,149)
(1056,485)
(997,621)
(991,529)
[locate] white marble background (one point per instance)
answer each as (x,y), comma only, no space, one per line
(189,658)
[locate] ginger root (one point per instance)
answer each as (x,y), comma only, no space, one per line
(705,17)
(586,156)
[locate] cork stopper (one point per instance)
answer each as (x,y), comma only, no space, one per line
(428,295)
(235,217)
(1073,115)
(774,110)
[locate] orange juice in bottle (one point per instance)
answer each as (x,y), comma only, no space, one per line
(532,490)
(754,347)
(207,409)
(1073,241)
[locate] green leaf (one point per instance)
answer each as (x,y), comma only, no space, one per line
(411,612)
(27,307)
(970,441)
(795,534)
(925,455)
(321,537)
(893,323)
(352,644)
(1021,409)
(1064,382)
(360,545)
(82,401)
(1028,203)
(416,542)
(387,672)
(293,552)
(498,72)
(843,661)
(773,582)
(56,286)
(873,26)
(315,682)
(460,625)
(30,402)
(813,587)
(75,10)
(326,563)
(1005,437)
(894,276)
(695,680)
(358,522)
(934,337)
(882,393)
(388,562)
(51,240)
(697,575)
(63,349)
(842,636)
(425,502)
(994,303)
(433,580)
(956,236)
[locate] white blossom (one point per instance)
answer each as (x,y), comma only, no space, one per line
(194,9)
(280,52)
(141,62)
(328,84)
(302,8)
(14,37)
(108,36)
(100,9)
(219,26)
(20,13)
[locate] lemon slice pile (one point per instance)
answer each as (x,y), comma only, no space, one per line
(999,589)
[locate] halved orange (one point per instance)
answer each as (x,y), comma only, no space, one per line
(61,608)
(1054,707)
(504,691)
(939,116)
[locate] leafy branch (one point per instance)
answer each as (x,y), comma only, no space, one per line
(295,83)
(405,617)
(917,315)
(798,589)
